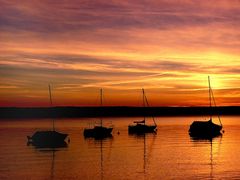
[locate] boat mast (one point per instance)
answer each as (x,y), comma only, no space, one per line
(210,98)
(101,103)
(215,105)
(50,96)
(144,104)
(145,100)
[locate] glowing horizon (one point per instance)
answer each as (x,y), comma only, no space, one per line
(167,47)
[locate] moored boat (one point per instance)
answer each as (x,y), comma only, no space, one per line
(206,129)
(140,127)
(48,138)
(98,131)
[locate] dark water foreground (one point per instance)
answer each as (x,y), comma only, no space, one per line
(113,111)
(169,154)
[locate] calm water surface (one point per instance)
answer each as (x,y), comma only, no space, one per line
(169,154)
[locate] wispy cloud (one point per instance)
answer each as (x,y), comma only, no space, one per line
(166,45)
(59,16)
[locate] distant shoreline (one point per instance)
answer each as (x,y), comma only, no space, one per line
(112,111)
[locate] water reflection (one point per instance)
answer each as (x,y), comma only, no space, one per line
(212,143)
(205,138)
(53,163)
(106,136)
(49,149)
(171,154)
(47,146)
(101,144)
(52,152)
(147,148)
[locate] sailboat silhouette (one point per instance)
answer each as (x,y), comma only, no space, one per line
(206,129)
(51,138)
(140,127)
(98,131)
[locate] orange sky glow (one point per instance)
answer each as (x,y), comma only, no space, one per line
(167,47)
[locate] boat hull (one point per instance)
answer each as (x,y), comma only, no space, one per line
(98,132)
(47,138)
(141,129)
(204,129)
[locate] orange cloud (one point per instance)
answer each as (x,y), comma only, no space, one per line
(167,47)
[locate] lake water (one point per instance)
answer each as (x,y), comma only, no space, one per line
(169,154)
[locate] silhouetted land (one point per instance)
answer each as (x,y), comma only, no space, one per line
(117,111)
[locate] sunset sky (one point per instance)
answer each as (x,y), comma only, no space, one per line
(168,47)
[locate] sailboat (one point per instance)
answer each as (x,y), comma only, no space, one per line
(206,129)
(140,127)
(99,131)
(49,138)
